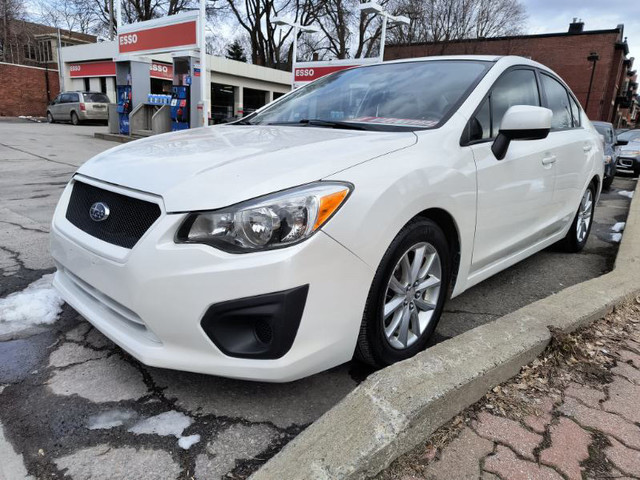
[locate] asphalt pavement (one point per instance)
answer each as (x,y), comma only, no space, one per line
(73,405)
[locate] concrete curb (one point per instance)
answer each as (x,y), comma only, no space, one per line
(396,408)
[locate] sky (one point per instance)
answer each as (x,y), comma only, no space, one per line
(551,16)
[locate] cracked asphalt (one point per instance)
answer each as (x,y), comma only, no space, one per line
(73,405)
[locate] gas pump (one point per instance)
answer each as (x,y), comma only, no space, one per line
(180,109)
(124,107)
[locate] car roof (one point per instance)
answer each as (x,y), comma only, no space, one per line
(604,124)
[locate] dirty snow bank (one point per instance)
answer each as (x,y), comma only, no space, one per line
(37,304)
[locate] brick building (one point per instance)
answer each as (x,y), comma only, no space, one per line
(29,76)
(613,92)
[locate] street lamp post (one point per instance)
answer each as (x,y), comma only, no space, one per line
(593,57)
(297,27)
(376,9)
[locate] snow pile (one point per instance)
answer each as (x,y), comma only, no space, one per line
(187,442)
(616,237)
(39,303)
(618,227)
(626,193)
(110,419)
(166,424)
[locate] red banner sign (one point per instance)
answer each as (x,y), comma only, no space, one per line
(163,71)
(310,73)
(92,69)
(165,37)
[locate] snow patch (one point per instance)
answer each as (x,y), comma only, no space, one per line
(626,193)
(110,419)
(618,227)
(616,237)
(37,304)
(165,424)
(187,442)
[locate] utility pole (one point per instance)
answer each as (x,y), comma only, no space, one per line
(60,64)
(593,57)
(110,19)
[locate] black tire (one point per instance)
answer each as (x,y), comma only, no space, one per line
(373,347)
(606,183)
(50,118)
(636,170)
(570,242)
(74,118)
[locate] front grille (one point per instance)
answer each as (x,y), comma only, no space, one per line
(129,218)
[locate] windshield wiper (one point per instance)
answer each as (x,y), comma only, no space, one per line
(323,123)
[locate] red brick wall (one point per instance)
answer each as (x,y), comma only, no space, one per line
(23,90)
(565,54)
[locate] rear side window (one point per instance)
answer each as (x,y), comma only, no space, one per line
(575,112)
(517,87)
(95,98)
(74,97)
(558,102)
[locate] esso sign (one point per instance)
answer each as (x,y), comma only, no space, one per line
(159,68)
(75,68)
(129,39)
(304,72)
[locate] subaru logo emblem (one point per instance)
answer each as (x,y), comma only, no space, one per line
(99,211)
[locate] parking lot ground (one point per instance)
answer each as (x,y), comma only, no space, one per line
(72,403)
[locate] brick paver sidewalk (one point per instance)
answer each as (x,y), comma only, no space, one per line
(573,414)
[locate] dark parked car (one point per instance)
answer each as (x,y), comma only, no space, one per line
(610,154)
(629,152)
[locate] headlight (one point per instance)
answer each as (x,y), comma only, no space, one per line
(607,159)
(273,221)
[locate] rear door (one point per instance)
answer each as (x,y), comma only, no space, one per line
(515,195)
(73,105)
(571,144)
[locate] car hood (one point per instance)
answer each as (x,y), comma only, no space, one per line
(208,168)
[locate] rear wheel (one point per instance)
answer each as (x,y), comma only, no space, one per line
(407,295)
(577,236)
(50,118)
(74,118)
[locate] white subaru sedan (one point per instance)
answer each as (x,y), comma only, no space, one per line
(334,222)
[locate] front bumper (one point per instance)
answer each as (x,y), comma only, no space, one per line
(627,164)
(151,299)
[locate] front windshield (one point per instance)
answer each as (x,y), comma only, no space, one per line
(630,135)
(410,95)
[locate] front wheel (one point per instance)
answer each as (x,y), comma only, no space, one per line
(407,295)
(577,236)
(50,118)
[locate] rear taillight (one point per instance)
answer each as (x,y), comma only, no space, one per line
(83,107)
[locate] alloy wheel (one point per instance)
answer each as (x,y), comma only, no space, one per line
(585,213)
(412,295)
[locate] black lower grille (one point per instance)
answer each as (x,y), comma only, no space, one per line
(128,219)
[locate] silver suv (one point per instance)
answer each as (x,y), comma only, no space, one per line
(76,107)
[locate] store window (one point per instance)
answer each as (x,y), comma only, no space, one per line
(253,100)
(222,102)
(103,84)
(87,84)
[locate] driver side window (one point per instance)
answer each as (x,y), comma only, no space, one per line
(517,87)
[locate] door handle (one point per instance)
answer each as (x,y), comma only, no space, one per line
(587,148)
(549,160)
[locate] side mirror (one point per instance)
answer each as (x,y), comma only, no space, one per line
(619,142)
(521,122)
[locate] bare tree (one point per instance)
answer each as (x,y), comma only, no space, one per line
(445,20)
(66,14)
(10,10)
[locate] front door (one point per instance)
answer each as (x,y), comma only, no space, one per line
(515,195)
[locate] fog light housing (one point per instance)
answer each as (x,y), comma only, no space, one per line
(260,327)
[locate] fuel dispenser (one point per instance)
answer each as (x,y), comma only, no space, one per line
(132,87)
(180,108)
(185,91)
(124,108)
